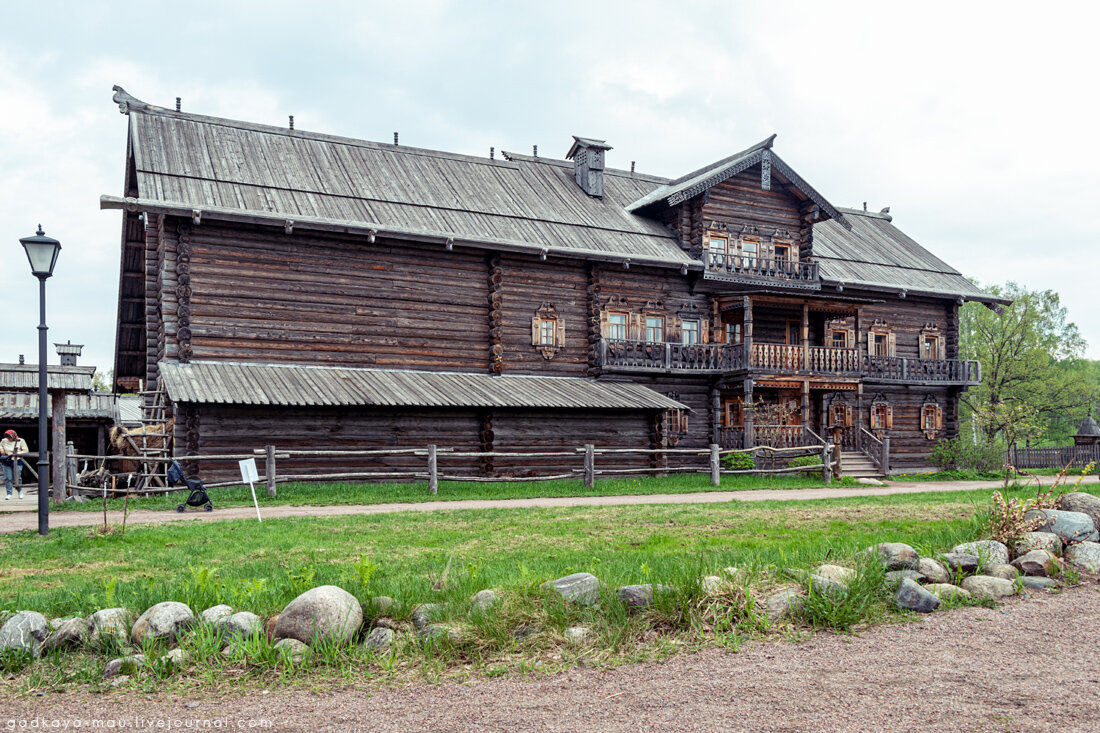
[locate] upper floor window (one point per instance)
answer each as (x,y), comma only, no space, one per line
(547,328)
(749,247)
(717,244)
(838,338)
(931,343)
(654,329)
(733,333)
(782,252)
(689,332)
(881,340)
(548,331)
(616,326)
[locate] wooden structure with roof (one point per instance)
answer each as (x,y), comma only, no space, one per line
(289,287)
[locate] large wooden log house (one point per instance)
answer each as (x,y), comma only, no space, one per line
(304,290)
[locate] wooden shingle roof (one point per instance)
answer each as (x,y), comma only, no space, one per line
(238,383)
(24,378)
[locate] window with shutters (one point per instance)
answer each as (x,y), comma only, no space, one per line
(547,331)
(932,343)
(881,340)
(931,418)
(733,414)
(881,416)
(840,414)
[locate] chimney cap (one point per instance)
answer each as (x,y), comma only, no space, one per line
(580,143)
(69,348)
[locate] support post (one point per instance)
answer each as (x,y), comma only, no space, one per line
(269,469)
(805,337)
(57,455)
(837,455)
(433,471)
(750,436)
(715,414)
(589,465)
(827,462)
(715,466)
(71,468)
(886,454)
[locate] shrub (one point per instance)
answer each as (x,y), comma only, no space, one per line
(739,462)
(956,454)
(814,460)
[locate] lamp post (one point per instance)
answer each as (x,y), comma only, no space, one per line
(42,254)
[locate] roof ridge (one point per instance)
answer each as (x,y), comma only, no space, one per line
(765,143)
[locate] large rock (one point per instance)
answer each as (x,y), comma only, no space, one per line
(214,614)
(124,665)
(1069,526)
(1036,562)
(912,597)
(379,640)
(425,613)
(167,620)
(1086,555)
(984,585)
(836,573)
(1077,501)
(483,601)
(241,625)
(294,650)
(961,562)
(1000,570)
(934,570)
(946,591)
(24,632)
(325,612)
(71,633)
(785,604)
(580,588)
(113,622)
(825,587)
(639,597)
(1039,583)
(988,551)
(1029,541)
(896,555)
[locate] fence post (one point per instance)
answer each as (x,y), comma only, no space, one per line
(715,466)
(269,469)
(433,471)
(70,463)
(827,463)
(886,454)
(837,454)
(589,465)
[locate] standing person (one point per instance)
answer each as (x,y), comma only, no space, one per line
(11,447)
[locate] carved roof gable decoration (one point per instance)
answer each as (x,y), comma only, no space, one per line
(547,347)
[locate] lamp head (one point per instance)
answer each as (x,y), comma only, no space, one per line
(41,253)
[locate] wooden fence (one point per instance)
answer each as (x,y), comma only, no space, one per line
(1074,456)
(663,461)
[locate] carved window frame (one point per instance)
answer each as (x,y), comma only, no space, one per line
(690,313)
(932,331)
(881,328)
(839,409)
(931,417)
(676,421)
(835,326)
(880,418)
(548,314)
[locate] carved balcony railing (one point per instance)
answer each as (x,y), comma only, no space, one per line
(749,269)
(774,436)
(633,355)
(784,358)
(901,369)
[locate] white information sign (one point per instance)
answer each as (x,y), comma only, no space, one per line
(251,476)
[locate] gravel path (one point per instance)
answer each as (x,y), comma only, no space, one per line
(1030,665)
(24,520)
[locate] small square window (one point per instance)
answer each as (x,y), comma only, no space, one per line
(838,339)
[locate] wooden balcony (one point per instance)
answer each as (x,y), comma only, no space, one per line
(773,436)
(779,273)
(781,359)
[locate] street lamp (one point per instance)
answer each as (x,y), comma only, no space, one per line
(42,254)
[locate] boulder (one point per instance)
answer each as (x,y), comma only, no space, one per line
(1038,541)
(946,591)
(577,634)
(989,551)
(934,571)
(483,601)
(836,573)
(241,625)
(167,620)
(440,632)
(912,597)
(71,633)
(24,632)
(423,614)
(825,587)
(580,588)
(1077,501)
(896,555)
(960,562)
(379,640)
(639,597)
(323,612)
(1085,555)
(893,577)
(1036,562)
(784,604)
(294,650)
(1069,526)
(127,665)
(214,614)
(1000,570)
(110,622)
(984,585)
(1039,583)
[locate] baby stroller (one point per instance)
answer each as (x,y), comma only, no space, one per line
(197,496)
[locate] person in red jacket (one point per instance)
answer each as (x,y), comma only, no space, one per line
(11,447)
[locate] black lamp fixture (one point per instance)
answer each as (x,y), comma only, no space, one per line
(42,253)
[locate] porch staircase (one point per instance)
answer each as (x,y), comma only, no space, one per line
(857,464)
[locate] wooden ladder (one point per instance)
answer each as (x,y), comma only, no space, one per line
(151,473)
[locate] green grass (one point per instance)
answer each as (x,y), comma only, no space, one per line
(333,494)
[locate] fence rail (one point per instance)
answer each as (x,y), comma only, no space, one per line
(1074,456)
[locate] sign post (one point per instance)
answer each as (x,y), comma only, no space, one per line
(251,475)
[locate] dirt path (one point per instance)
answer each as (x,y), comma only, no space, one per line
(15,522)
(1029,665)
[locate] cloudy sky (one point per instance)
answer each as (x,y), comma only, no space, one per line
(972,121)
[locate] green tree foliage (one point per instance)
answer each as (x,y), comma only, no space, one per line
(1033,375)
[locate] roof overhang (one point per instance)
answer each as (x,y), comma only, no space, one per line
(288,385)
